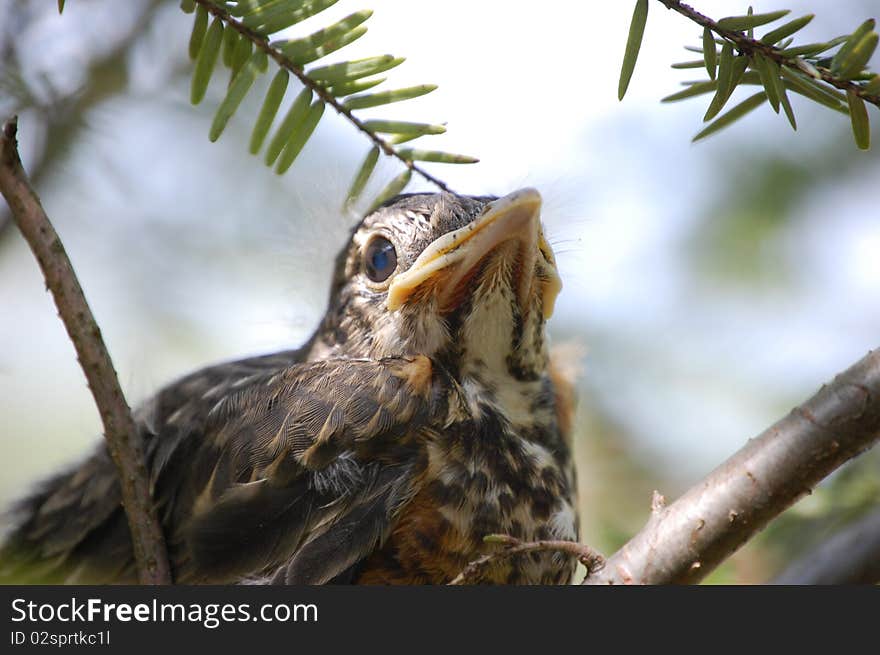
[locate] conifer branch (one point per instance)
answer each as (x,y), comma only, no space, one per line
(239,35)
(840,81)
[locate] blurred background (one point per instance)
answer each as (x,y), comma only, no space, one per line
(711,286)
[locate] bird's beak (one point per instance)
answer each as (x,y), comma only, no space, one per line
(448,264)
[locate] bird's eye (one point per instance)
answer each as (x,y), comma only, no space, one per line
(380,259)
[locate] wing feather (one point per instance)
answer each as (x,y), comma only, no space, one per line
(263,507)
(262,467)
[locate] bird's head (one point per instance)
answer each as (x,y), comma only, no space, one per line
(467,280)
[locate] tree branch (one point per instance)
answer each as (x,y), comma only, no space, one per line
(263,44)
(751,46)
(852,556)
(684,542)
(119,429)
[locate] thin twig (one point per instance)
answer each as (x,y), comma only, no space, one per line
(477,570)
(685,541)
(751,46)
(263,44)
(119,429)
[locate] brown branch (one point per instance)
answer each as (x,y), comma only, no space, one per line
(685,541)
(119,429)
(852,556)
(263,44)
(751,46)
(477,570)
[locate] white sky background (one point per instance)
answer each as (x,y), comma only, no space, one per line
(530,88)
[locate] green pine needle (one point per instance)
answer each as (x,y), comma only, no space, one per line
(739,23)
(299,137)
(363,175)
(733,115)
(402,127)
(295,115)
(858,113)
(197,37)
(271,103)
(633,44)
(241,84)
(710,55)
(206,61)
(395,187)
(775,36)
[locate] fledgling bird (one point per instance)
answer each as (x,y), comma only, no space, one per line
(421,416)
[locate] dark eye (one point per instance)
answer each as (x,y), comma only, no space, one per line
(380,259)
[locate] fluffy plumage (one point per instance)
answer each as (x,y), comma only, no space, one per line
(382,451)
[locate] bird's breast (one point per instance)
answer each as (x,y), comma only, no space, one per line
(484,474)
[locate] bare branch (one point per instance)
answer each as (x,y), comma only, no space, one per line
(684,542)
(852,556)
(477,570)
(119,429)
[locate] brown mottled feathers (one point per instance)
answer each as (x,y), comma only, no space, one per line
(311,459)
(304,461)
(382,451)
